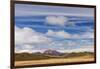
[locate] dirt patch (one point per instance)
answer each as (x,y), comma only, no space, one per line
(53,61)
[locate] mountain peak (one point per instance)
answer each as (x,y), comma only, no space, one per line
(52,52)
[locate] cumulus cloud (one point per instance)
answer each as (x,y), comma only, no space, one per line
(28,40)
(27,37)
(63,34)
(56,20)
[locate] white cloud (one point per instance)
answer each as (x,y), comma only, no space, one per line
(85,49)
(63,34)
(26,37)
(28,51)
(56,20)
(23,51)
(88,35)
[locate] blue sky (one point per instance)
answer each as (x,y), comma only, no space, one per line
(39,27)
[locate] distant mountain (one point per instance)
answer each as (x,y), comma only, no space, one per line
(49,54)
(52,52)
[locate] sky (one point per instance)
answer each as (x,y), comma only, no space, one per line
(66,29)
